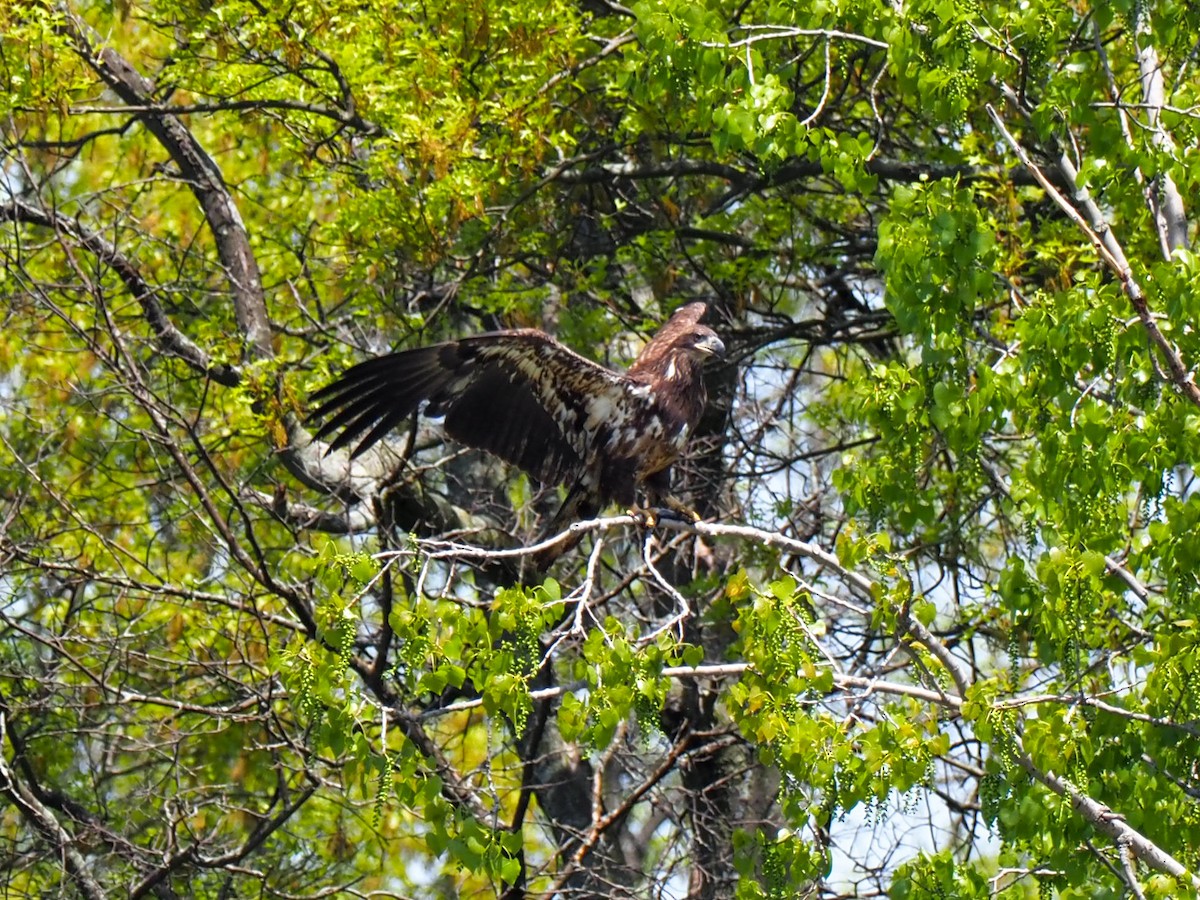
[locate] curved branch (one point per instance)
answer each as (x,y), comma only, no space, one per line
(170,338)
(341,116)
(42,821)
(724,670)
(203,177)
(453,550)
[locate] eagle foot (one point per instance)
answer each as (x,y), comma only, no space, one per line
(647,517)
(650,516)
(682,511)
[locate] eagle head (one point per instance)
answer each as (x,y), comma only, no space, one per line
(681,363)
(702,342)
(691,349)
(678,350)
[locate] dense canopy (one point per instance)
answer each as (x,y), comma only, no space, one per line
(938,633)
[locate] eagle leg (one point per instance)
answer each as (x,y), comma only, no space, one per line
(658,494)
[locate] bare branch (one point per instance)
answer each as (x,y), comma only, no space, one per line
(841,681)
(441,549)
(42,821)
(775,32)
(206,181)
(342,116)
(170,338)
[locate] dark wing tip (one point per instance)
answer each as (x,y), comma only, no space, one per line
(375,396)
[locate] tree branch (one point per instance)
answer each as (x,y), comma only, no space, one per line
(1168,209)
(44,823)
(1105,241)
(342,116)
(1100,816)
(1107,822)
(170,338)
(203,177)
(841,681)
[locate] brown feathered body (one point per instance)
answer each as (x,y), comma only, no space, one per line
(532,401)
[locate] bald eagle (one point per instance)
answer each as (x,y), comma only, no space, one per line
(533,402)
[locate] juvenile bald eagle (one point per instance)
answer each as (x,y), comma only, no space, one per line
(528,399)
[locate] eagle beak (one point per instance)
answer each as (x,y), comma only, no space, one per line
(711,345)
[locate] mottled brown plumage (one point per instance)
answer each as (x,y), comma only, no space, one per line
(530,400)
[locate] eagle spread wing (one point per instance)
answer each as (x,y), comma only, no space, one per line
(530,400)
